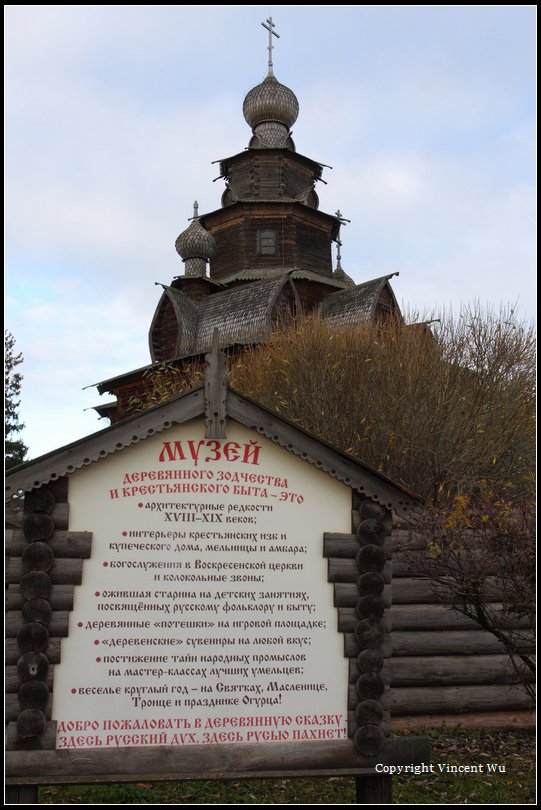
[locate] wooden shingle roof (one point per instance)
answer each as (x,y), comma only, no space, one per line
(357,304)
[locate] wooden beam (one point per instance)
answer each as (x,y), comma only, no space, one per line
(326,758)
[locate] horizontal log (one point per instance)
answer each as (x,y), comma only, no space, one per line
(333,757)
(454,642)
(352,649)
(61,597)
(63,572)
(456,670)
(13,680)
(346,594)
(58,626)
(501,721)
(346,546)
(457,699)
(340,570)
(13,708)
(46,740)
(439,617)
(63,544)
(13,652)
(409,590)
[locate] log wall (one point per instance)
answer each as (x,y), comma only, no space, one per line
(44,563)
(444,668)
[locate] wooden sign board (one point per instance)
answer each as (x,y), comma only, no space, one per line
(190,596)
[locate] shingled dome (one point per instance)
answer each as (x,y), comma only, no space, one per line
(270,101)
(195,242)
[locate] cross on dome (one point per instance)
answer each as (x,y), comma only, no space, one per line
(269,25)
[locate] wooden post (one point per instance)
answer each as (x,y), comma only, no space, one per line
(21,794)
(376,789)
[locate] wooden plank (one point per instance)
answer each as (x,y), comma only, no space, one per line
(13,652)
(501,721)
(61,597)
(63,544)
(333,757)
(457,699)
(58,626)
(63,572)
(453,642)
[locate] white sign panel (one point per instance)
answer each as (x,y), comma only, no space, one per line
(204,615)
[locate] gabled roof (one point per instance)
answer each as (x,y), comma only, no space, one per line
(92,449)
(357,304)
(242,315)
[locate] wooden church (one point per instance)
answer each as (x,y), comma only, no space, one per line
(268,251)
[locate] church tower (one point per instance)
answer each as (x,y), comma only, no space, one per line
(268,247)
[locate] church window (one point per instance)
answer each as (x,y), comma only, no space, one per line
(266,242)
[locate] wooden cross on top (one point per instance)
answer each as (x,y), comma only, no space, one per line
(269,25)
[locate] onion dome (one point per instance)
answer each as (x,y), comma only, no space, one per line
(271,109)
(195,246)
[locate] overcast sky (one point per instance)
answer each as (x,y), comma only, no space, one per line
(115,113)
